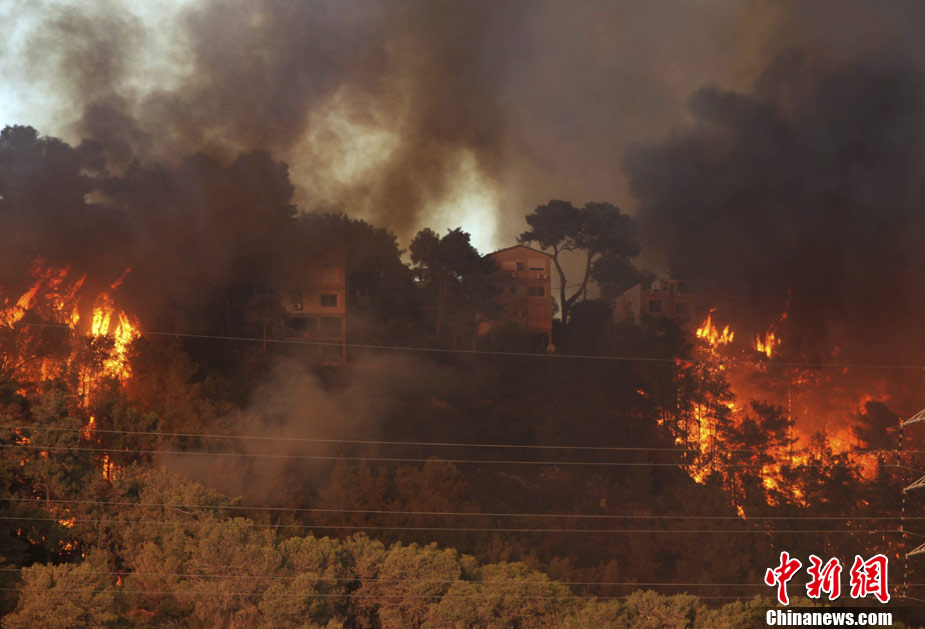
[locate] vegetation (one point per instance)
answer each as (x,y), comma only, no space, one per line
(106,528)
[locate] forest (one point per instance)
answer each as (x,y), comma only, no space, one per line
(207,473)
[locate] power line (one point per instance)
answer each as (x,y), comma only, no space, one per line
(278,577)
(39,501)
(472,529)
(318,457)
(361,595)
(433,350)
(436,444)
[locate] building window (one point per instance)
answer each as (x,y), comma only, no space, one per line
(300,327)
(681,309)
(520,265)
(536,265)
(513,290)
(329,276)
(536,291)
(523,314)
(655,305)
(329,300)
(295,300)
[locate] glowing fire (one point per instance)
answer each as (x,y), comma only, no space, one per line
(110,470)
(767,345)
(821,405)
(98,337)
(55,299)
(711,333)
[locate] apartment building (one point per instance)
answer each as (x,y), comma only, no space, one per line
(524,292)
(316,306)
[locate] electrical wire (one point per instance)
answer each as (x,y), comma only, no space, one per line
(473,529)
(278,577)
(432,444)
(363,596)
(435,350)
(39,501)
(318,457)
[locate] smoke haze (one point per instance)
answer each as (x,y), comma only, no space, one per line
(777,145)
(292,405)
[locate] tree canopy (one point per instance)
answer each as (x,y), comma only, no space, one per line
(605,235)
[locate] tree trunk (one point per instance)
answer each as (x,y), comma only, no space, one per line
(562,300)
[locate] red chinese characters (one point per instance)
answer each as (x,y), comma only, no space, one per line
(825,579)
(867,577)
(781,575)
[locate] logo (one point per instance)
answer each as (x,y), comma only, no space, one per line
(867,577)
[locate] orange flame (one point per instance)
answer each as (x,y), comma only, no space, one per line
(709,332)
(767,346)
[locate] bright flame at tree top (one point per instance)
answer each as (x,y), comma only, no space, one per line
(709,332)
(55,299)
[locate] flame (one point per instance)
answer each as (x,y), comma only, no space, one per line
(56,298)
(767,346)
(107,321)
(87,432)
(807,397)
(710,333)
(98,336)
(111,471)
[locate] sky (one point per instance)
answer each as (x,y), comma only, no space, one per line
(411,113)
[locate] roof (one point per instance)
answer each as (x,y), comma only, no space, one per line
(521,247)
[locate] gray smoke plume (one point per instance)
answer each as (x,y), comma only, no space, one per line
(387,110)
(291,409)
(804,194)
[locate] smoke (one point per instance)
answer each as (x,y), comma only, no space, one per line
(294,413)
(410,111)
(406,87)
(398,112)
(804,195)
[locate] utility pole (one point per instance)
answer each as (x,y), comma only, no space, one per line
(918,550)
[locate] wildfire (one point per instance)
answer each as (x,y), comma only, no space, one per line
(767,345)
(87,432)
(56,298)
(111,471)
(116,325)
(710,333)
(809,399)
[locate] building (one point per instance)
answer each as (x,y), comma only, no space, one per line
(316,306)
(669,298)
(524,292)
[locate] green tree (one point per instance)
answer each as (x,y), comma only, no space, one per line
(600,230)
(314,571)
(456,278)
(504,595)
(408,580)
(67,596)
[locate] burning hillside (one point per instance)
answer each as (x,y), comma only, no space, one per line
(61,328)
(798,414)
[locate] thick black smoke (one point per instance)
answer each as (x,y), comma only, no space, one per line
(194,237)
(262,74)
(805,194)
(376,105)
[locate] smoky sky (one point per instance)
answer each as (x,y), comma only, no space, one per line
(803,195)
(771,149)
(385,109)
